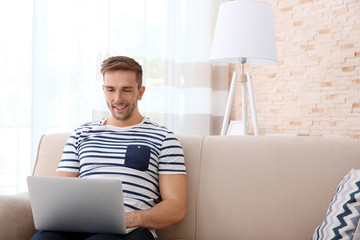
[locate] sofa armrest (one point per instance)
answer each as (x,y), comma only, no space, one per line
(16,221)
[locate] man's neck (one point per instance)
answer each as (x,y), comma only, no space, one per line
(124,123)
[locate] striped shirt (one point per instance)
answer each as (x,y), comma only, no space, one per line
(136,155)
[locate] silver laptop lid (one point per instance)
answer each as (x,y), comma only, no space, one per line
(77,204)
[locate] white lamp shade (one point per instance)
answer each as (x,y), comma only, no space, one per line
(244,29)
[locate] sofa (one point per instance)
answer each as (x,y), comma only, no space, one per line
(239,187)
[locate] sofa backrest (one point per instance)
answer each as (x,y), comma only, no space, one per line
(269,187)
(245,187)
(49,153)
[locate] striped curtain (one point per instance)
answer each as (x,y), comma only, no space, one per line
(171,39)
(50,55)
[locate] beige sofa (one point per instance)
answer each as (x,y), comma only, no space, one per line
(240,187)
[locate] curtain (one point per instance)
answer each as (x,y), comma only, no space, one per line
(50,55)
(172,39)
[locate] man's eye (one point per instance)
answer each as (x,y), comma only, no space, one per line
(109,89)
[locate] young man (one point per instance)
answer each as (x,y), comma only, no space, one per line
(145,156)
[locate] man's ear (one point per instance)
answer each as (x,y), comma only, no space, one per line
(141,92)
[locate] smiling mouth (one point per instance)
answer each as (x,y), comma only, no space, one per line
(120,107)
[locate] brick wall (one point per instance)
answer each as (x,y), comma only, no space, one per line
(314,90)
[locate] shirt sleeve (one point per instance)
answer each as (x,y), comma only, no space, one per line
(70,158)
(171,158)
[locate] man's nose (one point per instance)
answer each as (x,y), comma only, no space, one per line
(118,96)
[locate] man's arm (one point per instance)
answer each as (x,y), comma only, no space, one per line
(169,211)
(66,174)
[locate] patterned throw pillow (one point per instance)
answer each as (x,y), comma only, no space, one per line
(343,214)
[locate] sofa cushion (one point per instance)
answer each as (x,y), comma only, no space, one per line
(343,213)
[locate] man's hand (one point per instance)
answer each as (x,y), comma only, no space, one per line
(169,211)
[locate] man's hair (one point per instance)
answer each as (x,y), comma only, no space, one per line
(122,63)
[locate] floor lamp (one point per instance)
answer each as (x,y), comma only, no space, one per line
(244,34)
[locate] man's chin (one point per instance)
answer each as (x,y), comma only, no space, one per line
(121,117)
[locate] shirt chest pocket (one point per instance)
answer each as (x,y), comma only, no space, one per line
(137,157)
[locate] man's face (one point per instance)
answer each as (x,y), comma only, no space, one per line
(121,94)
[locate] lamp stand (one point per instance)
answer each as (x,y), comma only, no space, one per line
(245,78)
(228,105)
(252,104)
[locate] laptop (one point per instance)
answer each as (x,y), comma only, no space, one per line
(77,204)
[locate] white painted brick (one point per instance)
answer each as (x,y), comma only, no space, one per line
(316,44)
